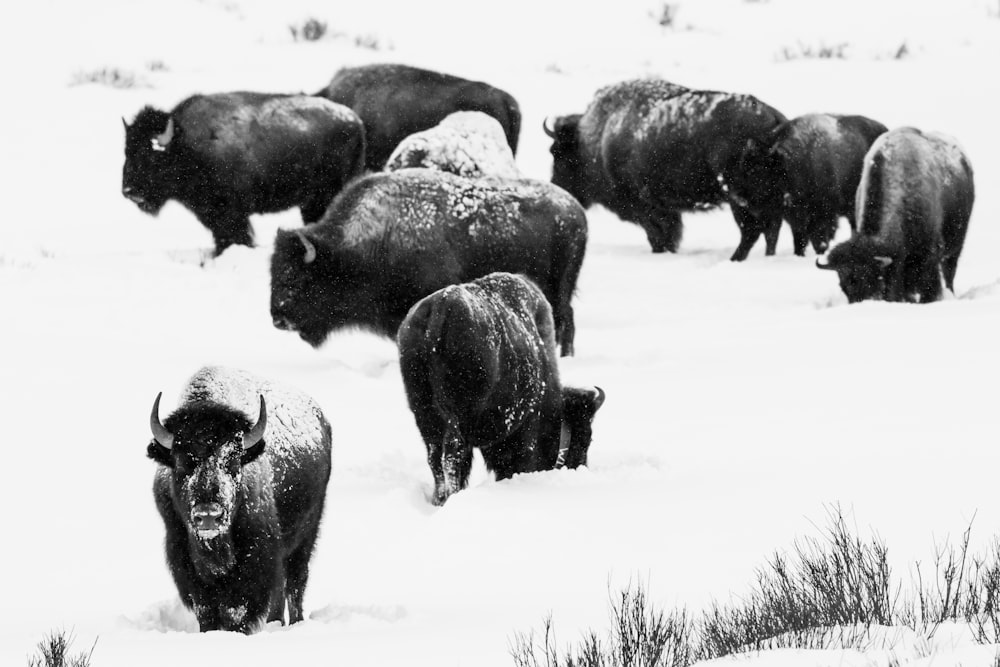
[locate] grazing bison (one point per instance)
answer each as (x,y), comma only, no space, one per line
(394,101)
(243,470)
(649,149)
(913,208)
(807,171)
(229,155)
(480,370)
(467,143)
(392,238)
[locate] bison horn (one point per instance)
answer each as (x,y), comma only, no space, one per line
(161,141)
(599,399)
(310,248)
(823,263)
(124,122)
(257,432)
(548,130)
(160,434)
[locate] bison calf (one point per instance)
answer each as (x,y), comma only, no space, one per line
(243,469)
(480,369)
(913,207)
(807,172)
(228,155)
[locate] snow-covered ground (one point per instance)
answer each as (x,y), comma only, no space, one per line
(742,399)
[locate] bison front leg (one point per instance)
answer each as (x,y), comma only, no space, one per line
(451,462)
(772,230)
(750,230)
(664,232)
(229,229)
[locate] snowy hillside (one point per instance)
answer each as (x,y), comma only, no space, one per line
(742,399)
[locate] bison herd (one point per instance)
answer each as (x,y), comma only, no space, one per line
(419,227)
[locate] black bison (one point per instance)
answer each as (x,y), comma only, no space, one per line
(392,238)
(913,209)
(649,149)
(467,143)
(243,469)
(480,369)
(394,101)
(228,155)
(807,171)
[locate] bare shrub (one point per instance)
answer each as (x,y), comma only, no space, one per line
(109,76)
(819,51)
(831,594)
(640,636)
(311,30)
(53,651)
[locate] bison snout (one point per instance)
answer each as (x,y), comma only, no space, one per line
(207,517)
(282,323)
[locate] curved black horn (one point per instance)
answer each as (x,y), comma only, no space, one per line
(253,436)
(310,248)
(160,434)
(599,400)
(548,130)
(823,263)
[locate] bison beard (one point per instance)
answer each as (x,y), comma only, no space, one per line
(241,501)
(480,370)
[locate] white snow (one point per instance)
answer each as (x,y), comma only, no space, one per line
(741,398)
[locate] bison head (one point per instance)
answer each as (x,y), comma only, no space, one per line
(315,290)
(861,264)
(147,177)
(758,181)
(579,408)
(568,168)
(205,447)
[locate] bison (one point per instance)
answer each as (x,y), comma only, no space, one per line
(807,171)
(242,475)
(394,101)
(649,149)
(467,143)
(392,238)
(913,208)
(480,370)
(228,155)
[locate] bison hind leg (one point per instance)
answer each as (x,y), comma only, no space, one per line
(451,463)
(297,571)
